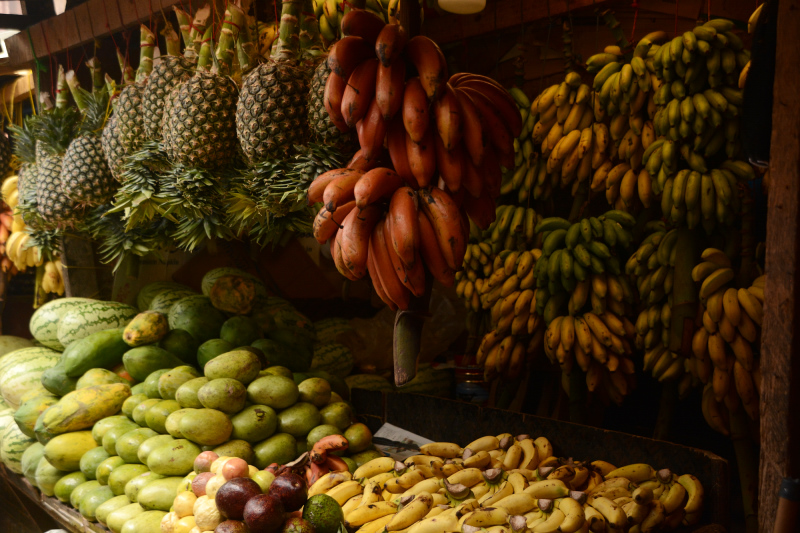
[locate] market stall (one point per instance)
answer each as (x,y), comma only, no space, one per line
(431,266)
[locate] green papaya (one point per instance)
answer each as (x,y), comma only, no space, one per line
(142,361)
(146,328)
(180,343)
(99,376)
(101,349)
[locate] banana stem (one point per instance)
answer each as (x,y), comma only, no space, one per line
(128,75)
(309,28)
(74,88)
(684,294)
(147,46)
(246,49)
(666,412)
(566,37)
(204,58)
(39,294)
(407,338)
(197,35)
(612,24)
(185,26)
(747,464)
(354,4)
(173,41)
(577,204)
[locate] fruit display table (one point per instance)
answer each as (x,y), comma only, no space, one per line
(448,420)
(66,516)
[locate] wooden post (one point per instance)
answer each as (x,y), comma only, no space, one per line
(780,348)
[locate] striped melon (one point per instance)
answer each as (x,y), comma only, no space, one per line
(430,381)
(151,290)
(10,343)
(90,317)
(14,444)
(329,329)
(334,358)
(25,373)
(30,460)
(44,322)
(215,273)
(6,419)
(164,301)
(369,382)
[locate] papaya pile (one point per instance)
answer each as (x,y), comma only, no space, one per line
(110,411)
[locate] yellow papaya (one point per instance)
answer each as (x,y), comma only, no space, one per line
(146,328)
(65,451)
(81,408)
(233,294)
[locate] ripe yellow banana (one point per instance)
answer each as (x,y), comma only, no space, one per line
(654,518)
(751,305)
(530,455)
(430,485)
(486,517)
(446,521)
(635,473)
(344,491)
(596,521)
(446,450)
(411,513)
(379,465)
(518,503)
(327,482)
(372,493)
(694,491)
(612,513)
(486,444)
(544,448)
(547,489)
(574,516)
(376,526)
(469,477)
(552,524)
(362,515)
(673,498)
(505,489)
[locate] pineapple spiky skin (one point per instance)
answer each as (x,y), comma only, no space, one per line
(56,210)
(170,71)
(112,148)
(271,115)
(130,122)
(85,176)
(200,130)
(322,128)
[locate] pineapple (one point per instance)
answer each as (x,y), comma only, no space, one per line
(85,176)
(323,130)
(25,150)
(112,148)
(200,129)
(130,122)
(271,115)
(171,71)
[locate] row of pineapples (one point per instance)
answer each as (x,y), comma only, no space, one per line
(219,140)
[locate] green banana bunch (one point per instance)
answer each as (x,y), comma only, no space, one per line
(329,13)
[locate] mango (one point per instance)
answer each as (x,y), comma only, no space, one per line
(144,523)
(320,432)
(254,423)
(211,349)
(186,395)
(315,391)
(170,381)
(181,344)
(145,328)
(118,518)
(240,331)
(278,392)
(140,412)
(206,426)
(298,419)
(135,485)
(159,494)
(30,460)
(81,408)
(65,451)
(130,404)
(47,476)
(280,448)
(151,383)
(151,444)
(223,394)
(99,376)
(173,459)
(337,414)
(241,365)
(173,423)
(111,436)
(156,416)
(142,361)
(91,460)
(100,428)
(64,486)
(121,475)
(94,499)
(236,448)
(127,445)
(105,468)
(138,388)
(79,491)
(109,506)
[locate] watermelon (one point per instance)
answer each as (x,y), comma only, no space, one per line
(10,343)
(91,317)
(196,315)
(26,372)
(44,322)
(13,445)
(215,273)
(430,381)
(151,290)
(30,460)
(334,358)
(6,419)
(329,329)
(164,301)
(369,382)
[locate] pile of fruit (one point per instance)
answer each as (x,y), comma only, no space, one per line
(508,483)
(116,404)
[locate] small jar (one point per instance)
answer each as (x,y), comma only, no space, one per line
(470,386)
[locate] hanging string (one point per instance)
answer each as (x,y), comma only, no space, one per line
(676,17)
(546,48)
(50,59)
(635,6)
(709,10)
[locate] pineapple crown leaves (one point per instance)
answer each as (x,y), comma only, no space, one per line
(48,241)
(56,128)
(24,139)
(95,112)
(117,242)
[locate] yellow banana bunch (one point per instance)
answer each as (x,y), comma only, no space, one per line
(21,251)
(10,192)
(329,13)
(53,280)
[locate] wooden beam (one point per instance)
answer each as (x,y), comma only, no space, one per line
(499,15)
(780,348)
